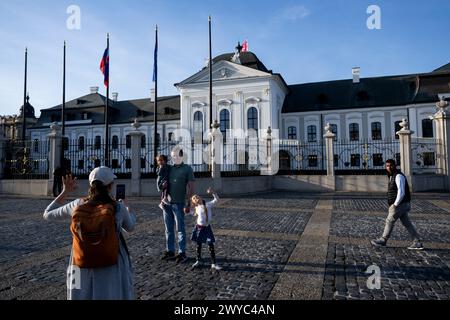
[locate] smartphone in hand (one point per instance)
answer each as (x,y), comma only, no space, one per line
(120,191)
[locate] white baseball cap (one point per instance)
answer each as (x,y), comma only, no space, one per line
(103,174)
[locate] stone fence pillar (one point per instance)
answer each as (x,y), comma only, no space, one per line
(405,149)
(442,121)
(329,150)
(136,137)
(54,156)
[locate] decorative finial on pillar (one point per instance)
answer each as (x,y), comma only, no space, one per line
(442,106)
(136,125)
(215,125)
(404,124)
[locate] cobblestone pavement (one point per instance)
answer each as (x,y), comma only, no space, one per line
(256,237)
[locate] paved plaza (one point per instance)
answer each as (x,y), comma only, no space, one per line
(278,245)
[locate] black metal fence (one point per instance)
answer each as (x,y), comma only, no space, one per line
(296,157)
(364,156)
(194,153)
(424,153)
(25,159)
(83,155)
(240,157)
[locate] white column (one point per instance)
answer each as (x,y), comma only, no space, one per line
(54,156)
(405,149)
(442,121)
(329,141)
(136,159)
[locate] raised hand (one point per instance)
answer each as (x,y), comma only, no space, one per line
(70,184)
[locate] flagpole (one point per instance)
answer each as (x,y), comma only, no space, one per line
(107,108)
(155,113)
(63,107)
(210,75)
(24,118)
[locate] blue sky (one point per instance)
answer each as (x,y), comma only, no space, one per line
(305,41)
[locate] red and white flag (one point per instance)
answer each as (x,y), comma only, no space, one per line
(245,46)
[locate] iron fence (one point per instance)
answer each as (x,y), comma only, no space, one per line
(83,155)
(25,159)
(297,157)
(424,155)
(364,156)
(195,154)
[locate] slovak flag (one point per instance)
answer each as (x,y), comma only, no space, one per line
(245,46)
(104,67)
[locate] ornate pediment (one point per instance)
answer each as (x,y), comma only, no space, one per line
(224,70)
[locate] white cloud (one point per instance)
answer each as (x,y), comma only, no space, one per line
(294,13)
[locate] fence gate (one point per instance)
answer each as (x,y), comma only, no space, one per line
(26,159)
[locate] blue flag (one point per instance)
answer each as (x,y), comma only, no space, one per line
(155,59)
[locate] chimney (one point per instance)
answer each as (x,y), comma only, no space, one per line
(152,95)
(115,95)
(94,89)
(355,73)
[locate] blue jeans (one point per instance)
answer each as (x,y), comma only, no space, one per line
(174,213)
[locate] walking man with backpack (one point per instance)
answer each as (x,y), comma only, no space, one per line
(100,266)
(399,201)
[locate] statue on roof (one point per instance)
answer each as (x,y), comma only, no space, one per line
(236,57)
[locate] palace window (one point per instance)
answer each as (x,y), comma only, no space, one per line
(397,128)
(354,131)
(143,139)
(252,119)
(170,136)
(292,133)
(376,130)
(377,160)
(115,143)
(224,121)
(312,134)
(427,128)
(334,130)
(81,143)
(128,141)
(97,142)
(312,160)
(355,160)
(198,126)
(36,145)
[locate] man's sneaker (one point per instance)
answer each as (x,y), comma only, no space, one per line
(416,246)
(181,257)
(197,264)
(167,255)
(216,267)
(379,242)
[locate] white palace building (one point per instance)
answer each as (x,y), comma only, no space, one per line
(363,118)
(247,95)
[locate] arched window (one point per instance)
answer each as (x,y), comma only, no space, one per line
(427,128)
(198,125)
(81,143)
(376,131)
(292,133)
(354,131)
(115,143)
(252,119)
(312,133)
(224,121)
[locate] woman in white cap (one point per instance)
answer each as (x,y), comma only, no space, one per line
(100,266)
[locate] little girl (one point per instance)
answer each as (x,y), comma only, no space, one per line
(162,180)
(202,232)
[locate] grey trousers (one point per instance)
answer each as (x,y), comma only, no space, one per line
(401,212)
